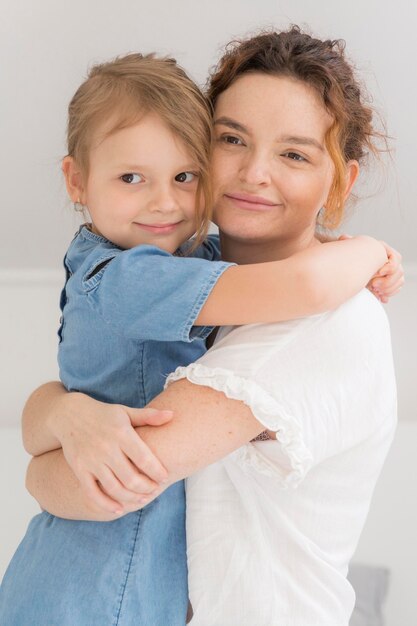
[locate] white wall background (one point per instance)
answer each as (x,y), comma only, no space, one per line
(45,49)
(46,46)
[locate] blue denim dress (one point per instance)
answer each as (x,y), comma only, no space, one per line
(127,322)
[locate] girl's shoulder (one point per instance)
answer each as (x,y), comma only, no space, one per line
(87,249)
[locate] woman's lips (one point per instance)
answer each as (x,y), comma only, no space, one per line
(251,202)
(159,229)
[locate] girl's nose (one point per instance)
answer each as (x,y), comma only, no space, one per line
(164,201)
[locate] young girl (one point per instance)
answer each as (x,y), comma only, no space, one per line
(139,301)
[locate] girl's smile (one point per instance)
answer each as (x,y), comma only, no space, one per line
(141,186)
(159,229)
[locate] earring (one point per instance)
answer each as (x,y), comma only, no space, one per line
(78,207)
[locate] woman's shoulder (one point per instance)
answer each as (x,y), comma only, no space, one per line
(361,315)
(358,328)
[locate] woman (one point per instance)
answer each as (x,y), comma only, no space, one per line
(290,131)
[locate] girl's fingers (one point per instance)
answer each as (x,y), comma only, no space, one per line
(388,293)
(388,270)
(388,286)
(386,282)
(393,263)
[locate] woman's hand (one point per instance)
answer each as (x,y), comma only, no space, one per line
(116,470)
(388,281)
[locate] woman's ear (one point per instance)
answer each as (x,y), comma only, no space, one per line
(352,173)
(73,180)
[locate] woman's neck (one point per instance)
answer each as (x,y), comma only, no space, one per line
(245,252)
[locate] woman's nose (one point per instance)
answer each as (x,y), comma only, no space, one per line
(255,170)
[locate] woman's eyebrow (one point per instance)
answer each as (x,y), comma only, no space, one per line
(305,141)
(227,121)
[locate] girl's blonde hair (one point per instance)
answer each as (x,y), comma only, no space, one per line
(119,93)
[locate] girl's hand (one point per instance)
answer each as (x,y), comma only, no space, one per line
(388,281)
(114,467)
(390,278)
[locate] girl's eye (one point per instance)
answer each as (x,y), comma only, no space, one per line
(185,177)
(131,179)
(294,156)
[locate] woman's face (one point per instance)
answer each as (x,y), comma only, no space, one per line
(272,172)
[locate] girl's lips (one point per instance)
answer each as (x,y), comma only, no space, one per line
(253,203)
(158,229)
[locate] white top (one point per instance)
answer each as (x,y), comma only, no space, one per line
(271,528)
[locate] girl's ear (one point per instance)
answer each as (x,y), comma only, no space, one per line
(352,173)
(73,180)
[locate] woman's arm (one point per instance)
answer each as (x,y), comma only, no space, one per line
(105,437)
(312,281)
(206,427)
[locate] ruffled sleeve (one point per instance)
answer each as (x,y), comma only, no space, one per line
(308,380)
(267,410)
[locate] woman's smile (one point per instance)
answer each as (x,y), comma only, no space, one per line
(251,202)
(271,170)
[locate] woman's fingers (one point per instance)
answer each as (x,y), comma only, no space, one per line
(114,488)
(108,449)
(131,478)
(144,459)
(123,479)
(149,416)
(98,498)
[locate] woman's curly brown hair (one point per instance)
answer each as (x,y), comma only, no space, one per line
(323,66)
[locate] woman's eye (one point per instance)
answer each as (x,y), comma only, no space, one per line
(131,179)
(231,139)
(186,177)
(294,156)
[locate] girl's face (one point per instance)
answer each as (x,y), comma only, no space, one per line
(271,169)
(141,187)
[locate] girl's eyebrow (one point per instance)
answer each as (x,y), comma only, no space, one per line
(129,167)
(227,121)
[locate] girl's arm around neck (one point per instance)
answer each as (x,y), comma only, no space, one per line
(312,281)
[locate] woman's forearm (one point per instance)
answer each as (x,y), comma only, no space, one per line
(51,482)
(41,414)
(206,427)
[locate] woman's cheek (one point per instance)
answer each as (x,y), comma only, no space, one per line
(225,167)
(310,190)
